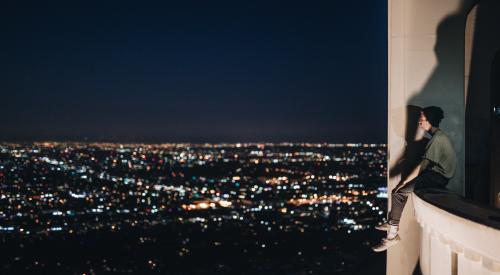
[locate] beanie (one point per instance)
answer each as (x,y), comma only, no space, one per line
(434,115)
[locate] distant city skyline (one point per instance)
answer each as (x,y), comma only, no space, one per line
(88,208)
(260,71)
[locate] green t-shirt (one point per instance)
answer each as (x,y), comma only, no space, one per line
(439,151)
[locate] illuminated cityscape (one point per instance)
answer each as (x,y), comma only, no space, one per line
(294,208)
(193,137)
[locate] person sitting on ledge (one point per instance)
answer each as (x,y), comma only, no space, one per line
(435,170)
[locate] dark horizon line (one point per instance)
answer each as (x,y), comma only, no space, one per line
(117,141)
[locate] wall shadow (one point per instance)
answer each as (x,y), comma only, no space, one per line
(417,270)
(444,88)
(495,132)
(441,89)
(481,167)
(413,150)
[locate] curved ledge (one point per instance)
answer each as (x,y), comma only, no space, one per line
(461,207)
(469,230)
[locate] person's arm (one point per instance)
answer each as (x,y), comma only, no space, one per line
(413,174)
(416,172)
(430,154)
(424,164)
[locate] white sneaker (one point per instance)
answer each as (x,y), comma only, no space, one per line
(383,227)
(386,243)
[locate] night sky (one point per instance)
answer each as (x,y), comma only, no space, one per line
(194,71)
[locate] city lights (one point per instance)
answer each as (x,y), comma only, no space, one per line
(72,189)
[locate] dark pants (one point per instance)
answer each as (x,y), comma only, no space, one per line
(428,179)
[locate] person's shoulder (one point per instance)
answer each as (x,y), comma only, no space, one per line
(440,134)
(438,137)
(442,137)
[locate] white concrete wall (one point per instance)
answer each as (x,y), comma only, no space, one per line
(454,245)
(426,67)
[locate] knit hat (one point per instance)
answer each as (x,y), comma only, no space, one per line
(434,115)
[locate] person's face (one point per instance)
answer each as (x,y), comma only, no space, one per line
(423,123)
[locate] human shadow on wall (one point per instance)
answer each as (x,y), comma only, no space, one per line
(413,150)
(417,270)
(439,90)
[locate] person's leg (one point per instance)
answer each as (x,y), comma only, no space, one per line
(432,180)
(399,196)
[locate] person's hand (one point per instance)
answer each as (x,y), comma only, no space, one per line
(400,185)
